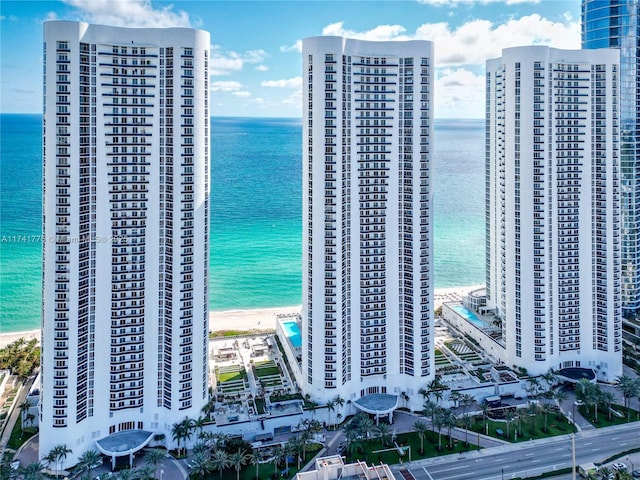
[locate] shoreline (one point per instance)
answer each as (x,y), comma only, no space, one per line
(256,318)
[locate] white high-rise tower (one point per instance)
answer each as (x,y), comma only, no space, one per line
(367,320)
(553,201)
(125,218)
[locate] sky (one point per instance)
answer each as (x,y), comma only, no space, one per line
(255,45)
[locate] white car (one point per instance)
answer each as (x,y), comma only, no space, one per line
(619,466)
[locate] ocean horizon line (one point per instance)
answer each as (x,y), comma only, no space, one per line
(239,117)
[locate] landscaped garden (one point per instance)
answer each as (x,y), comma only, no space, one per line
(231,379)
(268,373)
(524,424)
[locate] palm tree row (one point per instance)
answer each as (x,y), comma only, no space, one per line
(594,397)
(629,388)
(338,401)
(218,452)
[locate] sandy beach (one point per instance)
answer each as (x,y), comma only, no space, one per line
(259,318)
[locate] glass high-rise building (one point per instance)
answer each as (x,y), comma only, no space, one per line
(614,24)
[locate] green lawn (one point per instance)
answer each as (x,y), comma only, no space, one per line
(603,418)
(266,369)
(412,440)
(265,470)
(231,376)
(531,427)
(18,436)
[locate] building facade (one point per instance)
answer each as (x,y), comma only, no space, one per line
(616,24)
(126,223)
(553,198)
(367,318)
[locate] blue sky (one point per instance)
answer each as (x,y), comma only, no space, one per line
(255,45)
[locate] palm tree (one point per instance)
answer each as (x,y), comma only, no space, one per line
(200,465)
(338,419)
(484,408)
(467,400)
(608,398)
(450,421)
(33,471)
(352,441)
(181,431)
(88,459)
(533,387)
(305,436)
(455,396)
(438,423)
(421,429)
(628,388)
(550,378)
(559,396)
(255,458)
(153,457)
(384,431)
(24,407)
(199,424)
(238,459)
(331,407)
(546,410)
(146,472)
(438,394)
(220,460)
(466,420)
(278,455)
(509,416)
(424,392)
(59,454)
(128,474)
(429,409)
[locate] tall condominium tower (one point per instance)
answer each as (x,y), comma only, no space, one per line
(616,24)
(125,218)
(553,199)
(367,218)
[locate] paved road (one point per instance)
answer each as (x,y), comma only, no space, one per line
(526,459)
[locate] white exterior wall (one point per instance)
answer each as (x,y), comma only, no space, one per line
(367,130)
(553,238)
(121,349)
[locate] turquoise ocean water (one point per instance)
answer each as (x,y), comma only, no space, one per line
(256,213)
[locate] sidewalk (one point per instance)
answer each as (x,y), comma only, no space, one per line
(15,412)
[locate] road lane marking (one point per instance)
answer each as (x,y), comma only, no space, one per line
(425,471)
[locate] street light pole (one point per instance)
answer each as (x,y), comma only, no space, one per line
(573,452)
(502,470)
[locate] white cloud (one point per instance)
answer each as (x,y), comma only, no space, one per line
(242,94)
(228,86)
(453,3)
(262,68)
(380,33)
(296,47)
(130,13)
(227,62)
(295,82)
(472,43)
(459,93)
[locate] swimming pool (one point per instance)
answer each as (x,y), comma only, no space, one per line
(469,316)
(292,331)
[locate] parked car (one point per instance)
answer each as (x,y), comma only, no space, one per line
(341,448)
(635,474)
(619,466)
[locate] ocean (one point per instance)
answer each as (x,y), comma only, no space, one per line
(256,213)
